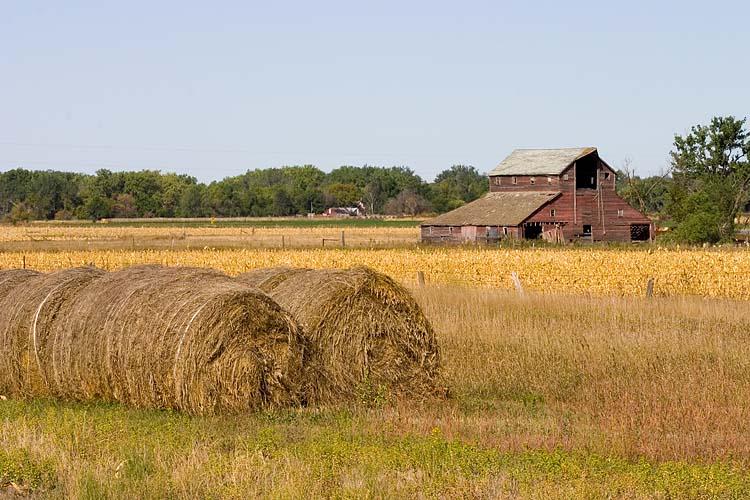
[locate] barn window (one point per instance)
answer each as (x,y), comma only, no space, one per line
(532,180)
(621,213)
(549,180)
(450,230)
(552,212)
(429,230)
(497,181)
(565,177)
(514,180)
(606,176)
(505,231)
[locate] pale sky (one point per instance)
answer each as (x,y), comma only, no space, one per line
(213,89)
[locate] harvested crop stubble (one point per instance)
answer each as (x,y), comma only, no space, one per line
(184,338)
(33,301)
(365,330)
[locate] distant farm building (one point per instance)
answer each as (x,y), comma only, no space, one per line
(357,211)
(556,194)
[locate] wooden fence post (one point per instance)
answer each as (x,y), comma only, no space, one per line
(420,279)
(343,241)
(650,288)
(283,243)
(23,261)
(517,282)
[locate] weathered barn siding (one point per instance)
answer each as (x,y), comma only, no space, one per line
(468,234)
(581,203)
(524,183)
(600,208)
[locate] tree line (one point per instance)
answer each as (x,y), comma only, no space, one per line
(702,195)
(286,191)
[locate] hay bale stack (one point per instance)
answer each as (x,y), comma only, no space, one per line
(9,278)
(184,338)
(35,299)
(365,330)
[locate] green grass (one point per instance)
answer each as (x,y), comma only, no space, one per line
(75,450)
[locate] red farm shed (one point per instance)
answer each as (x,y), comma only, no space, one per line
(556,194)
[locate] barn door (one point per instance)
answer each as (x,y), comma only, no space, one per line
(469,233)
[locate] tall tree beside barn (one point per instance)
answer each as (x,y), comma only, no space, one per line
(457,185)
(711,171)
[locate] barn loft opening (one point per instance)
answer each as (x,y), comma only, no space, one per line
(586,172)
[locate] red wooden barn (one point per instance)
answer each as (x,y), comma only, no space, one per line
(556,194)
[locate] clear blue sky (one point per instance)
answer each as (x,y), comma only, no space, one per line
(213,89)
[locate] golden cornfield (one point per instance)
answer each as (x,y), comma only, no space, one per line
(720,273)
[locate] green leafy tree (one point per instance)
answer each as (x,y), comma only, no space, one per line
(172,188)
(343,194)
(96,207)
(282,204)
(711,171)
(379,184)
(457,185)
(263,192)
(146,187)
(191,201)
(305,188)
(19,212)
(41,193)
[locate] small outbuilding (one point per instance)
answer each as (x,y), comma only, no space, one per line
(556,194)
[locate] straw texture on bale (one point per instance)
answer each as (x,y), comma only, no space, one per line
(33,301)
(190,339)
(9,278)
(365,331)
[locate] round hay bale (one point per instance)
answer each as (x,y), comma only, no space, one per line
(190,339)
(33,301)
(366,331)
(268,278)
(9,278)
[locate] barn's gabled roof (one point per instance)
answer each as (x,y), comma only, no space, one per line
(495,209)
(539,161)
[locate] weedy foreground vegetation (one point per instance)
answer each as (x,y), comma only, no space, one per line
(553,396)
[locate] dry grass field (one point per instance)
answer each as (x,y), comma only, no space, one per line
(579,389)
(173,237)
(552,397)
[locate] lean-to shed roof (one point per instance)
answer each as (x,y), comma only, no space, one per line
(495,209)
